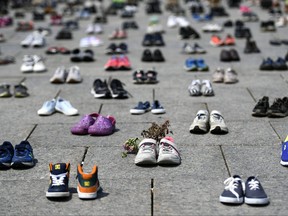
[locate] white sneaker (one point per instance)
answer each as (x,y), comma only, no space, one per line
(39,65)
(147,152)
(218,75)
(212,28)
(206,88)
(171,22)
(195,88)
(65,107)
(168,152)
(39,40)
(230,76)
(182,21)
(27,41)
(85,42)
(201,122)
(28,63)
(59,75)
(48,108)
(98,29)
(217,124)
(90,29)
(74,75)
(94,41)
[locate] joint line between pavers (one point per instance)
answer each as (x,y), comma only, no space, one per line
(27,137)
(249,91)
(279,137)
(225,161)
(152,196)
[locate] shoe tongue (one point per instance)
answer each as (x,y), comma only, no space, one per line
(58,168)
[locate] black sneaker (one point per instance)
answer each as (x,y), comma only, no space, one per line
(279,108)
(20,91)
(254,192)
(5,91)
(261,107)
(225,56)
(111,49)
(158,40)
(117,89)
(147,56)
(280,64)
(234,55)
(192,32)
(100,89)
(147,40)
(158,56)
(233,192)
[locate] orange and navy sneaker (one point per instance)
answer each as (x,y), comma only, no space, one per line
(88,183)
(229,40)
(59,180)
(216,41)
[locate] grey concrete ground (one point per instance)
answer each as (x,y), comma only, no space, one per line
(252,146)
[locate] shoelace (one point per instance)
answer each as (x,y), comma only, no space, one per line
(201,116)
(58,180)
(231,184)
(166,147)
(253,184)
(217,117)
(147,147)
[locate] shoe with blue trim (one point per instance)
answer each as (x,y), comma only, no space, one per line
(157,108)
(141,108)
(284,154)
(190,65)
(23,155)
(6,154)
(201,65)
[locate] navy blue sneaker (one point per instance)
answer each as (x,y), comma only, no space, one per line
(280,64)
(254,192)
(284,154)
(190,65)
(267,64)
(157,108)
(6,154)
(141,108)
(233,192)
(23,155)
(59,180)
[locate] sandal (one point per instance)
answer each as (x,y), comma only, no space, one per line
(52,51)
(151,76)
(139,77)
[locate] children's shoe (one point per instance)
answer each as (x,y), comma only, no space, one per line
(5,91)
(233,192)
(218,75)
(229,40)
(216,41)
(147,152)
(284,154)
(112,64)
(254,192)
(23,155)
(123,63)
(200,123)
(206,88)
(201,65)
(190,65)
(20,91)
(157,108)
(88,183)
(195,88)
(6,154)
(59,180)
(217,124)
(65,107)
(168,152)
(102,126)
(141,108)
(81,127)
(48,108)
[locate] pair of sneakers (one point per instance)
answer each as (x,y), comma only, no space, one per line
(167,154)
(142,108)
(236,191)
(19,157)
(70,75)
(20,91)
(87,187)
(59,104)
(228,76)
(36,40)
(198,88)
(203,123)
(32,63)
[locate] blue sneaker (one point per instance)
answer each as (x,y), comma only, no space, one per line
(201,65)
(267,64)
(6,154)
(254,192)
(140,108)
(157,108)
(197,17)
(190,65)
(284,155)
(23,155)
(233,192)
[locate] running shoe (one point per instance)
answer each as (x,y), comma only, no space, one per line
(168,152)
(23,155)
(65,107)
(100,89)
(6,154)
(200,123)
(147,152)
(48,108)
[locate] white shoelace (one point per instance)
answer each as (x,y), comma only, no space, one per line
(231,185)
(253,184)
(58,179)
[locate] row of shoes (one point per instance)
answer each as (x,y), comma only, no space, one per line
(94,124)
(269,64)
(33,63)
(228,76)
(90,41)
(100,89)
(229,55)
(193,49)
(78,55)
(279,108)
(192,64)
(216,40)
(87,187)
(237,192)
(151,152)
(121,62)
(113,49)
(19,157)
(198,88)
(57,104)
(203,123)
(148,77)
(20,90)
(154,39)
(156,56)
(35,39)
(143,107)
(69,75)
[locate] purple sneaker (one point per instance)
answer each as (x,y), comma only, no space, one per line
(102,126)
(81,128)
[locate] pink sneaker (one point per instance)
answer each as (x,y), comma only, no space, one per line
(81,128)
(102,126)
(244,9)
(123,63)
(112,63)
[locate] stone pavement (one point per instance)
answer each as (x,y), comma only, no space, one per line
(252,146)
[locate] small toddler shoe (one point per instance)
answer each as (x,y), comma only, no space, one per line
(102,126)
(81,128)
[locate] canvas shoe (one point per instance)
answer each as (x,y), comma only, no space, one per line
(59,76)
(147,152)
(284,153)
(141,108)
(200,123)
(23,155)
(39,65)
(59,180)
(65,107)
(88,183)
(233,192)
(230,76)
(6,154)
(28,63)
(217,124)
(157,108)
(218,75)
(254,192)
(168,152)
(261,107)
(48,108)
(195,88)
(27,41)
(74,75)
(206,88)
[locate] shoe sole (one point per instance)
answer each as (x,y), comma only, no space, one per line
(256,201)
(284,163)
(218,130)
(22,164)
(231,200)
(198,130)
(57,194)
(87,195)
(98,95)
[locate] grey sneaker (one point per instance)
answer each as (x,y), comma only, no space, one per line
(74,75)
(168,152)
(206,88)
(147,152)
(217,124)
(59,75)
(188,49)
(20,91)
(200,123)
(198,49)
(218,75)
(5,90)
(230,76)
(195,88)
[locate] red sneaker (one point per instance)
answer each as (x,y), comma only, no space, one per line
(216,41)
(229,40)
(124,63)
(112,63)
